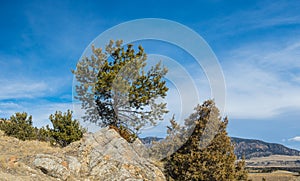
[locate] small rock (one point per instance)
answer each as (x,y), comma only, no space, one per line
(52,166)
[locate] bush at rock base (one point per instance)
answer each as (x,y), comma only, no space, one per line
(65,130)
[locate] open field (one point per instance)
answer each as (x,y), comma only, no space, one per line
(274,161)
(274,168)
(275,176)
(275,157)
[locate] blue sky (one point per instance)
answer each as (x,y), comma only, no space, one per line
(256,42)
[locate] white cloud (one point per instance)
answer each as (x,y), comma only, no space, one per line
(264,15)
(9,108)
(262,81)
(33,88)
(9,105)
(23,89)
(283,58)
(296,138)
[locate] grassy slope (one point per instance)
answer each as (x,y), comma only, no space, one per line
(15,153)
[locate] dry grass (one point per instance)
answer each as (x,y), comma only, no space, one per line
(274,176)
(276,157)
(274,161)
(14,153)
(14,147)
(12,150)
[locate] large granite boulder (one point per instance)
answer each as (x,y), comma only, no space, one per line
(104,155)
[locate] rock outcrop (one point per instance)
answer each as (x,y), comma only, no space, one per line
(103,155)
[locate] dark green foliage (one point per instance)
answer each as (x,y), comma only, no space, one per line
(65,130)
(3,122)
(208,153)
(43,134)
(116,91)
(19,126)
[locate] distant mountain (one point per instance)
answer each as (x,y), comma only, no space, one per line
(148,140)
(249,147)
(257,148)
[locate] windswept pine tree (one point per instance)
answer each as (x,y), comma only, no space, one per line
(116,90)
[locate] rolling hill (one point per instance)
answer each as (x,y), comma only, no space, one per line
(257,148)
(249,147)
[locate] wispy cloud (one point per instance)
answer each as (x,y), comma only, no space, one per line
(264,15)
(9,105)
(24,89)
(262,81)
(296,138)
(9,108)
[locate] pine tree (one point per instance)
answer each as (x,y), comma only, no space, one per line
(65,130)
(208,153)
(117,92)
(19,126)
